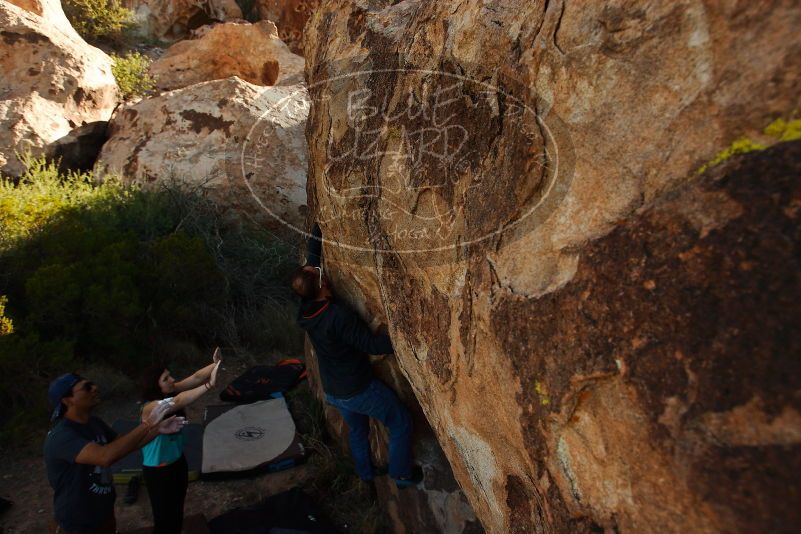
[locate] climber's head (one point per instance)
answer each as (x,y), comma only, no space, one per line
(310,283)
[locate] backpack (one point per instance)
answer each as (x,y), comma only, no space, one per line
(263,382)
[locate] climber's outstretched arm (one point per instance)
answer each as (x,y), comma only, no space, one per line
(314,247)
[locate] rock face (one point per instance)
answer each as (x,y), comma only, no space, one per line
(50,10)
(51,81)
(173,20)
(34,6)
(600,337)
(242,143)
(253,52)
(290,16)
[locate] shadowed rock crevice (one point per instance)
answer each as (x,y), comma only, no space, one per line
(79,150)
(519,505)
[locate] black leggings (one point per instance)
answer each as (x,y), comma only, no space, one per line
(166,487)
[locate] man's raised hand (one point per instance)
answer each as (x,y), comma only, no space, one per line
(172,424)
(159,411)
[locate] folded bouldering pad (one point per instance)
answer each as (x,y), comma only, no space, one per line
(249,438)
(131,465)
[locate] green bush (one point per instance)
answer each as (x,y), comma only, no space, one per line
(98,20)
(43,194)
(131,73)
(116,276)
(6,325)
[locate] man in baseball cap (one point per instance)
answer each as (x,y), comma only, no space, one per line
(80,449)
(60,388)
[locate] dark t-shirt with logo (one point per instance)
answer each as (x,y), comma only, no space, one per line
(83,494)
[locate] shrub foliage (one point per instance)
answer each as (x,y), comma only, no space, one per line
(131,73)
(6,326)
(114,275)
(97,20)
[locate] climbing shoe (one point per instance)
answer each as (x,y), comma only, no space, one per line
(412,480)
(132,493)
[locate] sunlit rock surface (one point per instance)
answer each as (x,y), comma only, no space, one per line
(253,52)
(51,81)
(50,10)
(290,16)
(241,143)
(171,20)
(600,337)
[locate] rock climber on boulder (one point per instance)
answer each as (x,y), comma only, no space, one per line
(342,342)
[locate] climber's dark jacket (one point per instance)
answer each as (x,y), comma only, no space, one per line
(340,338)
(342,342)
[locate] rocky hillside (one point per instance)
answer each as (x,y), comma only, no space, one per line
(601,337)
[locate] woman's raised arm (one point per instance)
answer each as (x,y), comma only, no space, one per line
(201,376)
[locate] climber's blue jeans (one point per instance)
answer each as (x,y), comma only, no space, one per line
(381,403)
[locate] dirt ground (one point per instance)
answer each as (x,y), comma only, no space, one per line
(23,480)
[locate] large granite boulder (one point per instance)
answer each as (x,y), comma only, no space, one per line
(34,6)
(172,20)
(51,81)
(600,337)
(50,10)
(290,16)
(252,52)
(241,143)
(43,8)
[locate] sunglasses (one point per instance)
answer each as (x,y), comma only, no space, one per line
(87,386)
(320,270)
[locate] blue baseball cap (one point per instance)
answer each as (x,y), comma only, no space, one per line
(60,388)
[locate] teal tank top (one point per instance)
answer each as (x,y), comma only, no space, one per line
(163,450)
